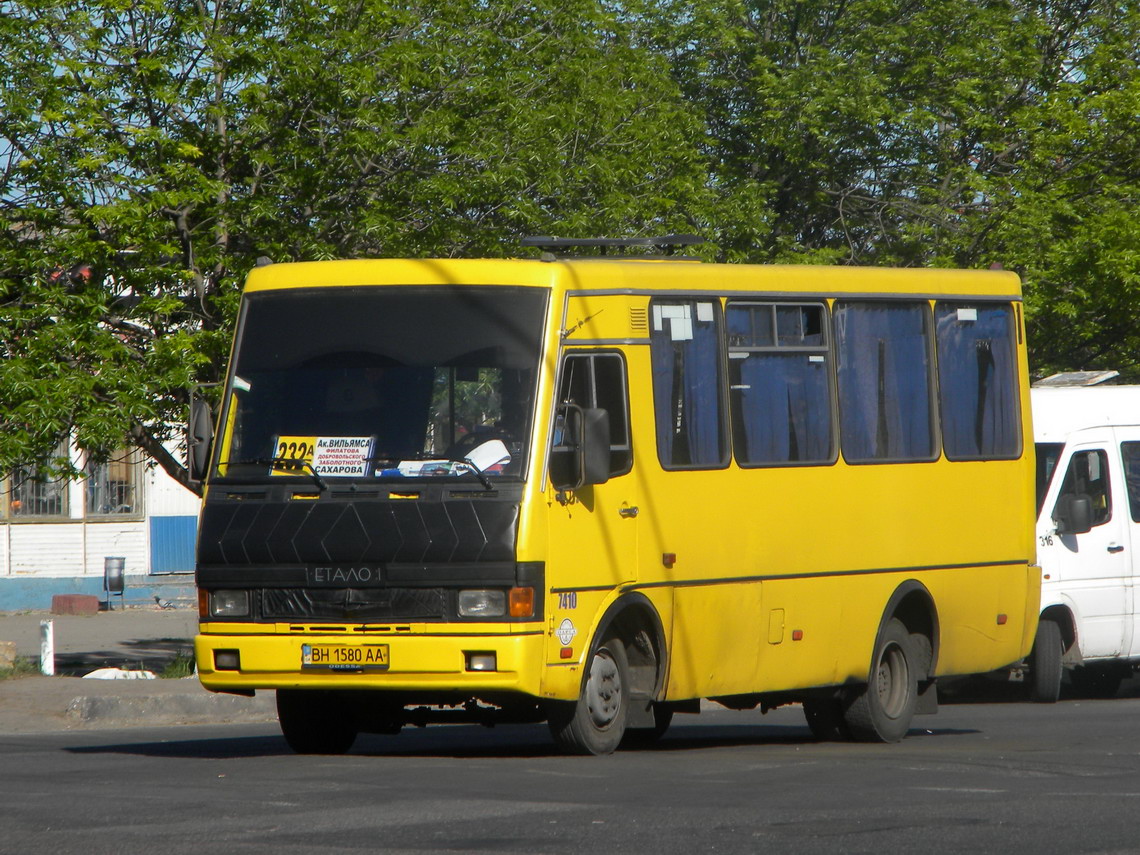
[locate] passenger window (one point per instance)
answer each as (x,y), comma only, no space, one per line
(1130,456)
(883,370)
(779,383)
(977,381)
(1087,475)
(688,385)
(599,380)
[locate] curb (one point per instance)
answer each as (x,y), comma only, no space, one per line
(146,710)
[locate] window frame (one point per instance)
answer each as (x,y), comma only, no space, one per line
(131,459)
(932,413)
(825,349)
(943,410)
(590,356)
(724,425)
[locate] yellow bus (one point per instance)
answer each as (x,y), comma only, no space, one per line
(594,491)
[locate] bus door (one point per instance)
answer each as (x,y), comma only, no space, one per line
(1092,567)
(593,529)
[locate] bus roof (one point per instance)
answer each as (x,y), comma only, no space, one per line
(649,275)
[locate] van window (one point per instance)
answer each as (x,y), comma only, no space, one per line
(779,383)
(684,345)
(884,382)
(977,381)
(1130,456)
(1087,475)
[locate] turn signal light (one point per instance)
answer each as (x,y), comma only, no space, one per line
(522,602)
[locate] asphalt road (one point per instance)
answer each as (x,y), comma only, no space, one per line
(1001,777)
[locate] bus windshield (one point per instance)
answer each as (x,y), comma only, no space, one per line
(392,382)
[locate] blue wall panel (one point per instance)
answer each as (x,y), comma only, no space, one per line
(172,544)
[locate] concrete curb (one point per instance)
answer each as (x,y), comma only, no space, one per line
(149,710)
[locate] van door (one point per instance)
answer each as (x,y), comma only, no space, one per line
(1092,569)
(1129,439)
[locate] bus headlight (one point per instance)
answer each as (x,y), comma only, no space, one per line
(229,604)
(482,603)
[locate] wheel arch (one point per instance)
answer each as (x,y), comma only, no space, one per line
(634,619)
(913,604)
(1062,615)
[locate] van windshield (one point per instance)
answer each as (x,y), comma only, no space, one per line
(392,382)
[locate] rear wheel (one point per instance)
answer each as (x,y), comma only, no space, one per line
(314,722)
(1045,663)
(595,723)
(883,710)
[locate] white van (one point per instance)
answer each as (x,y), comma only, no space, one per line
(1088,538)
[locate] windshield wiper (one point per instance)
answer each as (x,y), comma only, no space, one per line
(283,463)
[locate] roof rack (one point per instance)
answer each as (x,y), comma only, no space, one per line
(667,243)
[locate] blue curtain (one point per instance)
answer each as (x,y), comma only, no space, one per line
(784,410)
(977,382)
(687,390)
(884,381)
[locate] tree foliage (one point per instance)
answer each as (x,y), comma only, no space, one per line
(151,151)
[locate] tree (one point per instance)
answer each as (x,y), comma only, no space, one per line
(167,145)
(933,133)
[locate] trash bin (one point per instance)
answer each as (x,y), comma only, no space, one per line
(113,582)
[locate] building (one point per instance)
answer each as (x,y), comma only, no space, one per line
(55,535)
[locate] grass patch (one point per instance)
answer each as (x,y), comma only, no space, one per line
(181,666)
(24,666)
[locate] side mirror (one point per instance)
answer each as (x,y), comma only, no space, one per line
(581,451)
(1073,514)
(199,438)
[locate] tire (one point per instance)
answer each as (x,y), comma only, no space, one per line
(883,709)
(595,723)
(825,719)
(314,722)
(1045,663)
(643,737)
(1097,681)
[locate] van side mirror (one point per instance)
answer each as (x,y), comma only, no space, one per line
(1073,514)
(199,438)
(581,451)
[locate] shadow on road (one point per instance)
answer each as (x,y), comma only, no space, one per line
(506,742)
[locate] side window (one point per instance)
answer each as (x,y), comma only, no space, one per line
(1087,475)
(1130,455)
(779,383)
(883,371)
(684,340)
(599,380)
(977,381)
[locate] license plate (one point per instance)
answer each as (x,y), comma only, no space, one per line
(347,657)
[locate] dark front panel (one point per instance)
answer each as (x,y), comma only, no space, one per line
(270,528)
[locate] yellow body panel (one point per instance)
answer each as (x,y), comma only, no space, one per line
(778,578)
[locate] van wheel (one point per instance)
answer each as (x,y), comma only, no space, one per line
(313,722)
(882,711)
(595,723)
(1045,663)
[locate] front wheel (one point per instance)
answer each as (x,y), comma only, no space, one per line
(315,722)
(882,711)
(595,723)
